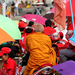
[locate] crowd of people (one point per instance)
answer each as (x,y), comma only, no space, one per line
(40,44)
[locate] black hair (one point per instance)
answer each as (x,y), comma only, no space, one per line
(11,54)
(28,30)
(54,45)
(29,13)
(21,29)
(61,37)
(48,23)
(30,23)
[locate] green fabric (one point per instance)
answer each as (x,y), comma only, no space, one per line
(10,27)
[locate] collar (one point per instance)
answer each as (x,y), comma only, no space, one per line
(7,60)
(38,33)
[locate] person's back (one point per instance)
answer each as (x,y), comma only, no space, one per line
(48,30)
(40,49)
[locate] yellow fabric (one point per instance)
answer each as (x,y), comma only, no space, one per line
(40,48)
(28,6)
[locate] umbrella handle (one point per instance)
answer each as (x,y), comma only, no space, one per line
(72,16)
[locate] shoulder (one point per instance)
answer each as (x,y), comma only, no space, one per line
(11,64)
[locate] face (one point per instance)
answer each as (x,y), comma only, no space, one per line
(4,57)
(56,50)
(33,26)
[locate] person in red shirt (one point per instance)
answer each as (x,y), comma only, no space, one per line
(69,51)
(9,66)
(48,30)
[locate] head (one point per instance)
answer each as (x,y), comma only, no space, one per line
(22,24)
(31,24)
(5,53)
(55,47)
(28,30)
(39,28)
(48,23)
(69,34)
(55,37)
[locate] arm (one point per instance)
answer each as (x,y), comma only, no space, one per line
(52,53)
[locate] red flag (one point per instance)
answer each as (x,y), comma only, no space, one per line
(60,13)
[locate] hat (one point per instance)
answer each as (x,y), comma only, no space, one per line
(5,50)
(69,34)
(29,30)
(55,36)
(22,24)
(23,19)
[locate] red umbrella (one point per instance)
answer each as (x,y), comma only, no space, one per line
(35,18)
(68,10)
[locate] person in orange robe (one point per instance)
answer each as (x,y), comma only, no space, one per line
(40,48)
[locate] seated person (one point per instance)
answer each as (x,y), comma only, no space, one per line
(70,48)
(48,30)
(9,66)
(31,24)
(40,49)
(55,47)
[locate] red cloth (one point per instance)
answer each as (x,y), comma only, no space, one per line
(48,30)
(70,27)
(22,24)
(68,45)
(9,67)
(5,50)
(22,42)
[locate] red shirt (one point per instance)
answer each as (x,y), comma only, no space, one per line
(48,30)
(9,67)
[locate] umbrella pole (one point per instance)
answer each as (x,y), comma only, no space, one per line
(72,17)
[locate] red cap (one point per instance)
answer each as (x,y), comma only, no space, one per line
(5,50)
(22,24)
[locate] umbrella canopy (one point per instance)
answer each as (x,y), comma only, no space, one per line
(4,37)
(49,16)
(35,18)
(10,27)
(66,68)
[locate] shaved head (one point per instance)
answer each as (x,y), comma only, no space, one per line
(39,28)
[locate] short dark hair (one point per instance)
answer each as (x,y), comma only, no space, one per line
(30,23)
(54,45)
(48,23)
(11,54)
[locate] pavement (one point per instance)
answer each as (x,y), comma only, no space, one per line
(24,11)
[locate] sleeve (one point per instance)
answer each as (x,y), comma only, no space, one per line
(52,53)
(10,71)
(68,45)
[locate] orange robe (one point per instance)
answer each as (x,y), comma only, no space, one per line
(40,48)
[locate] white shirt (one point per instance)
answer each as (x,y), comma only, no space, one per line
(16,4)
